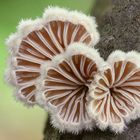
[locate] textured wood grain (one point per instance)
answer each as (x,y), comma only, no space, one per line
(120,29)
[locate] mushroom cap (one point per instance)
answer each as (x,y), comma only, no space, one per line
(115,92)
(36,42)
(65,87)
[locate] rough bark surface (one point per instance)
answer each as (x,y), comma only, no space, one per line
(120,29)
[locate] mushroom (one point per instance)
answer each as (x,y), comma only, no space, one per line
(66,85)
(37,41)
(115,91)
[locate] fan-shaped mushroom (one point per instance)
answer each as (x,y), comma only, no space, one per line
(37,42)
(66,87)
(116,91)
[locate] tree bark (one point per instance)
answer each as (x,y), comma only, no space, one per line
(119,29)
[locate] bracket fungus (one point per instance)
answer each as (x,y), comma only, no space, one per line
(53,64)
(65,87)
(115,92)
(37,41)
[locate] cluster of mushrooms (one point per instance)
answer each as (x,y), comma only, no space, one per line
(53,64)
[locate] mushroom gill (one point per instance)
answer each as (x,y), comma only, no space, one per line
(40,45)
(66,91)
(116,92)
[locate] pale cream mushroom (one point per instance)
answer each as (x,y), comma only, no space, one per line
(115,92)
(65,90)
(38,41)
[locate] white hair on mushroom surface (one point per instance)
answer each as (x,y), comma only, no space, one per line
(115,92)
(65,90)
(37,41)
